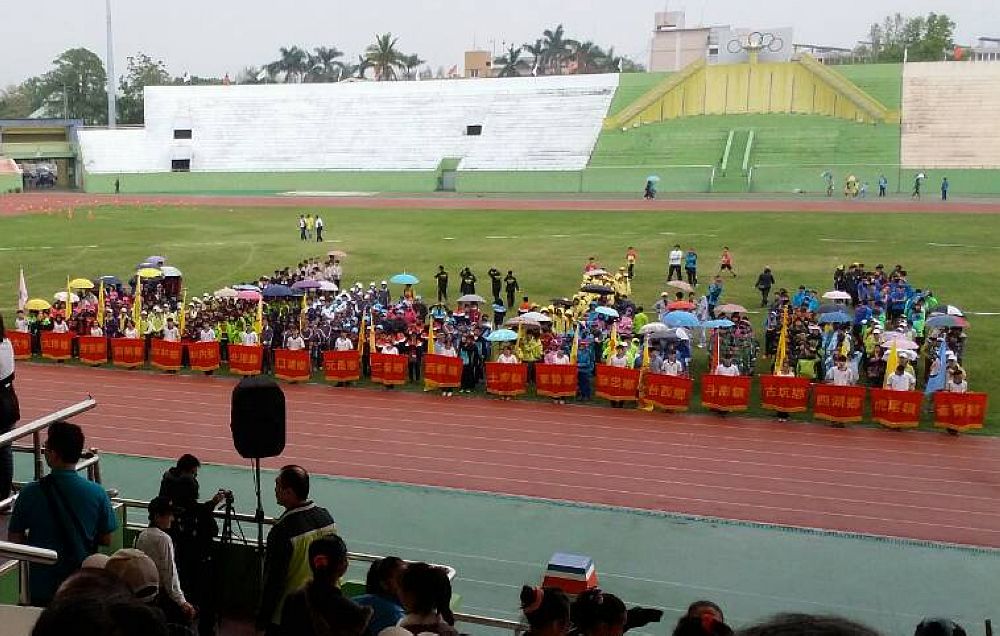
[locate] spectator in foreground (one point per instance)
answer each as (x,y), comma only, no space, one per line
(426,594)
(382,593)
(286,568)
(62,512)
(10,411)
(546,610)
(157,545)
(703,618)
(82,611)
(320,608)
(938,627)
(596,613)
(807,625)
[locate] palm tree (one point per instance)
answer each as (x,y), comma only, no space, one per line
(537,51)
(409,63)
(588,57)
(384,57)
(292,62)
(557,48)
(511,63)
(323,64)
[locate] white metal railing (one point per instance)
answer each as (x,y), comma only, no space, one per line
(21,556)
(515,627)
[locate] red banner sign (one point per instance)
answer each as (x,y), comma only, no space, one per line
(959,411)
(127,352)
(292,366)
(618,384)
(896,409)
(93,349)
(784,394)
(342,366)
(165,355)
(21,341)
(203,356)
(388,369)
(670,392)
(556,380)
(57,346)
(725,392)
(246,359)
(443,371)
(506,379)
(841,404)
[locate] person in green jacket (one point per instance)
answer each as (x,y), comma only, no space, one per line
(640,320)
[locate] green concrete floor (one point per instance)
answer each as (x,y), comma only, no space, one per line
(497,543)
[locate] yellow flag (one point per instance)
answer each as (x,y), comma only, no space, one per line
(644,404)
(69,301)
(891,363)
(303,313)
(258,323)
(100,304)
(137,306)
(182,313)
(430,337)
(575,349)
(614,338)
(361,333)
(782,353)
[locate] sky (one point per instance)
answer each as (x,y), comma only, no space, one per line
(214,37)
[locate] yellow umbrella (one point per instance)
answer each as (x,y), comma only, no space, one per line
(37,304)
(81,283)
(149,272)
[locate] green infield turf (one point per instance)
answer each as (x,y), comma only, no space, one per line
(955,256)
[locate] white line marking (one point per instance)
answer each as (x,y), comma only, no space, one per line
(838,240)
(448,238)
(559,235)
(497,237)
(950,245)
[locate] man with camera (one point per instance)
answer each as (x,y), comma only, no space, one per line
(193,532)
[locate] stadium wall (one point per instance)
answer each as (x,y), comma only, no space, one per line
(628,179)
(10,182)
(264,182)
(806,179)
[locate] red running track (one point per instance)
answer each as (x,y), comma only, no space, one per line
(904,484)
(38,202)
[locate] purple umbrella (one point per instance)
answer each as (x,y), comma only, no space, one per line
(159,260)
(306,284)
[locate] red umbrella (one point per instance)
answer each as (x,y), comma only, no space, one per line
(681,305)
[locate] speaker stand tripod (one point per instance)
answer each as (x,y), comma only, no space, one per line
(258,518)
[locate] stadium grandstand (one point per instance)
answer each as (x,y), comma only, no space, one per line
(748,127)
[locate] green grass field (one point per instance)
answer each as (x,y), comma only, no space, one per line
(216,247)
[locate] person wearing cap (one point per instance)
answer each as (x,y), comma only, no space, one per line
(62,511)
(159,547)
(286,560)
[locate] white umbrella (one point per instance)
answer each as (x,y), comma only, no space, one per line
(521,320)
(905,354)
(471,298)
(682,334)
(170,272)
(681,285)
(536,316)
(226,292)
(62,296)
(325,285)
(837,295)
(597,272)
(654,328)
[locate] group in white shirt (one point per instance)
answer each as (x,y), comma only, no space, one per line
(901,380)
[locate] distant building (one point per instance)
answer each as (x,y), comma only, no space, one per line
(987,51)
(675,45)
(478,64)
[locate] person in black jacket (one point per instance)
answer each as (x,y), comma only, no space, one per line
(320,608)
(496,282)
(765,280)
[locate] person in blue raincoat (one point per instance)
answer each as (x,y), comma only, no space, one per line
(584,369)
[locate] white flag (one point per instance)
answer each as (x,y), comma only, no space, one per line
(22,291)
(534,70)
(187,77)
(262,75)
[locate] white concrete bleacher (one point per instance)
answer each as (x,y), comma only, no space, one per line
(544,123)
(951,115)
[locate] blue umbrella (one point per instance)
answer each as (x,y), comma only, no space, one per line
(502,335)
(277,291)
(246,288)
(835,316)
(404,279)
(680,319)
(607,311)
(718,324)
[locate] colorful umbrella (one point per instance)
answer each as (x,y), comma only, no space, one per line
(149,272)
(946,320)
(681,285)
(81,283)
(306,284)
(502,335)
(404,279)
(37,304)
(681,304)
(248,294)
(730,308)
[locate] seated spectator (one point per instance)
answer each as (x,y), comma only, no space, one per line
(703,618)
(807,625)
(94,615)
(137,571)
(596,613)
(157,545)
(426,594)
(62,512)
(320,608)
(546,610)
(938,627)
(382,593)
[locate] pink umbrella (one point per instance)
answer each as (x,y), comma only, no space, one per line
(248,294)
